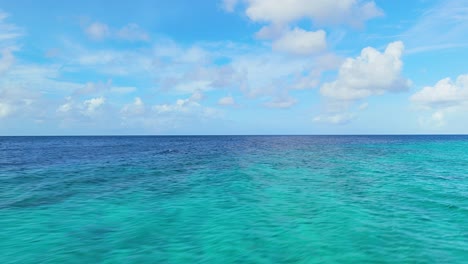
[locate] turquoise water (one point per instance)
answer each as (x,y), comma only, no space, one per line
(244,199)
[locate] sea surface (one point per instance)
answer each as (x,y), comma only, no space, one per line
(234,199)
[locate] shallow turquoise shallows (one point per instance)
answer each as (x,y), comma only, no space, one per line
(234,199)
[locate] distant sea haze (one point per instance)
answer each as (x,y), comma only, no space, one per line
(234,199)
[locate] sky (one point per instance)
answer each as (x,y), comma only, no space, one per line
(183,67)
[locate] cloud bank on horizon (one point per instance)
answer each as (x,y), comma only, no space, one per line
(234,67)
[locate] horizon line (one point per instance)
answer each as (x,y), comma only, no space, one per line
(220,135)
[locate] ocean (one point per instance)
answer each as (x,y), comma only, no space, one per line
(234,199)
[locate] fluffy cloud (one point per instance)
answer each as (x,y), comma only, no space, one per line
(132,32)
(171,66)
(271,77)
(167,67)
(280,14)
(301,42)
(16,101)
(352,12)
(93,88)
(129,32)
(268,74)
(66,107)
(6,60)
(165,117)
(5,109)
(92,104)
(371,73)
(227,100)
(111,62)
(229,5)
(87,108)
(176,69)
(336,119)
(442,99)
(134,109)
(97,31)
(194,77)
(444,94)
(435,120)
(181,105)
(286,101)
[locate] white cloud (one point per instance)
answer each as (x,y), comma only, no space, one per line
(281,15)
(181,105)
(52,53)
(15,100)
(132,32)
(97,31)
(229,5)
(123,89)
(371,73)
(8,32)
(93,88)
(3,15)
(86,108)
(438,119)
(165,117)
(25,90)
(353,12)
(227,100)
(336,119)
(445,93)
(281,102)
(271,31)
(92,104)
(99,88)
(134,109)
(138,114)
(5,110)
(186,70)
(446,97)
(129,32)
(301,42)
(6,60)
(448,20)
(66,107)
(171,66)
(28,91)
(268,74)
(363,106)
(186,108)
(257,72)
(434,121)
(112,62)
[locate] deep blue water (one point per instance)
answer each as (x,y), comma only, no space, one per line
(234,199)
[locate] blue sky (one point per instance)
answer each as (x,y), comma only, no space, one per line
(233,67)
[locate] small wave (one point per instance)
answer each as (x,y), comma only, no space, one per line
(168,151)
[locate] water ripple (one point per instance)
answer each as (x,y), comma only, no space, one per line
(236,199)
